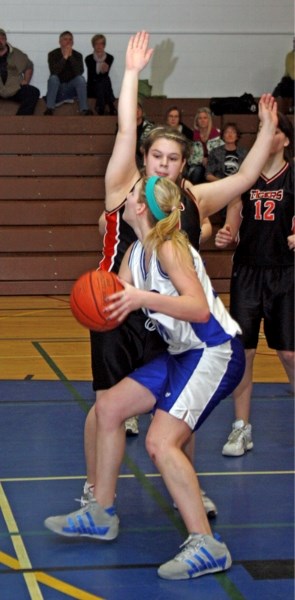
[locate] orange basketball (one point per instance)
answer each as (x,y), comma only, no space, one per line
(88,296)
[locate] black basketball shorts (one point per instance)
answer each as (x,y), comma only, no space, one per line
(266,293)
(116,353)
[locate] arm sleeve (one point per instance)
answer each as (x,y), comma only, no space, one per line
(76,61)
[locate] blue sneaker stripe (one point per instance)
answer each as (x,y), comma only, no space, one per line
(85,528)
(204,566)
(212,561)
(81,528)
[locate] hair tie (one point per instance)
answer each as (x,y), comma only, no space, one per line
(151,198)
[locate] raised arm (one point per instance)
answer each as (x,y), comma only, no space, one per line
(122,171)
(213,196)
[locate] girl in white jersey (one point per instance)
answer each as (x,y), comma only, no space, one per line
(97,518)
(165,276)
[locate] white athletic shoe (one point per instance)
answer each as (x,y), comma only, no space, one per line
(131,426)
(210,507)
(91,520)
(239,440)
(199,555)
(67,101)
(87,494)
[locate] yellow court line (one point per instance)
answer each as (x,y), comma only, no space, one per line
(52,582)
(149,475)
(20,550)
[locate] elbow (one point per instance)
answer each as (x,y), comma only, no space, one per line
(206,315)
(203,315)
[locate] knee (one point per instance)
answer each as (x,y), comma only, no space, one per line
(152,447)
(101,406)
(53,79)
(287,357)
(35,92)
(79,80)
(250,354)
(107,411)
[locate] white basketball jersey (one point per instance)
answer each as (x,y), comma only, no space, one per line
(182,335)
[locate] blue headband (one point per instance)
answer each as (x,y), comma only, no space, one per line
(151,198)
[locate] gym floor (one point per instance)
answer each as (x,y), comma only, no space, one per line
(45,392)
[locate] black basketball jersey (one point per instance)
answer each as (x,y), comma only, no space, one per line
(268,219)
(119,235)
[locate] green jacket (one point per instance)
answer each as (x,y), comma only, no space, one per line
(17,64)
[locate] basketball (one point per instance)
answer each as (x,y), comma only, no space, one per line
(87,299)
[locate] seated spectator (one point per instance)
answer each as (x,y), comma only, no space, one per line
(205,138)
(284,91)
(99,85)
(144,126)
(16,70)
(225,160)
(173,119)
(66,81)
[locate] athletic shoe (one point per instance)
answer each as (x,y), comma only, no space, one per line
(92,520)
(68,101)
(210,507)
(87,494)
(131,426)
(239,440)
(200,555)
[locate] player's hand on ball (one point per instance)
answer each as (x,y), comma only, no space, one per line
(122,303)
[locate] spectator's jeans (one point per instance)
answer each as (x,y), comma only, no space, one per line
(59,92)
(27,96)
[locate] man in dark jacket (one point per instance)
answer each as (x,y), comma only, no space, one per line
(16,70)
(66,80)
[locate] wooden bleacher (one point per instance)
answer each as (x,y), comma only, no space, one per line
(52,194)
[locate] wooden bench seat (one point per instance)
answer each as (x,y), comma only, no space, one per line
(52,193)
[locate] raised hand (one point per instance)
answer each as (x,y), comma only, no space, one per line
(138,53)
(268,110)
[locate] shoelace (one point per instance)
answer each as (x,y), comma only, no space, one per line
(191,543)
(86,497)
(235,434)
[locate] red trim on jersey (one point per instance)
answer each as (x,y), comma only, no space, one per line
(111,240)
(278,174)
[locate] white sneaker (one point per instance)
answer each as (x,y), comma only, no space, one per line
(209,506)
(87,495)
(199,555)
(131,426)
(67,101)
(91,520)
(239,440)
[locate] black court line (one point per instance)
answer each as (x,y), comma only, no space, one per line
(269,569)
(82,403)
(260,570)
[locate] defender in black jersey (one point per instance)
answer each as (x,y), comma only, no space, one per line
(262,283)
(165,153)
